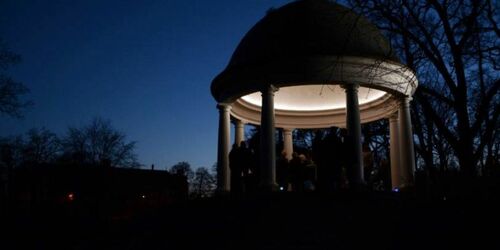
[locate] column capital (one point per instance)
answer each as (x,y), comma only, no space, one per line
(350,87)
(394,117)
(269,89)
(238,123)
(405,100)
(288,130)
(224,106)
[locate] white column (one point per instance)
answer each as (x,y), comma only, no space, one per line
(353,123)
(406,144)
(394,150)
(223,147)
(267,141)
(239,132)
(288,142)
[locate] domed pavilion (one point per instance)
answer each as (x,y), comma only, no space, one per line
(315,64)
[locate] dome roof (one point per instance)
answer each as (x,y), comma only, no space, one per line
(311,27)
(297,32)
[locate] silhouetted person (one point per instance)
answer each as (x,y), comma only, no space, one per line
(295,172)
(246,162)
(319,158)
(367,163)
(250,169)
(384,174)
(282,171)
(309,173)
(335,162)
(347,150)
(235,165)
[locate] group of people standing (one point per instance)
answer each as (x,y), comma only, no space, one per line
(244,171)
(330,170)
(297,174)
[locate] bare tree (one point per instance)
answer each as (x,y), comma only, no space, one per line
(10,90)
(376,134)
(99,143)
(203,183)
(303,138)
(182,168)
(11,151)
(41,146)
(454,48)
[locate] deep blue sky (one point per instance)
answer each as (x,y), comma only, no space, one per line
(145,65)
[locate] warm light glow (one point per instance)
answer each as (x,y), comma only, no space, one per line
(143,196)
(313,97)
(71,196)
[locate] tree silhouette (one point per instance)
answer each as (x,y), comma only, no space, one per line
(41,146)
(454,48)
(182,168)
(203,183)
(11,150)
(10,90)
(99,143)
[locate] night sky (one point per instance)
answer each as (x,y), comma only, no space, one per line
(144,65)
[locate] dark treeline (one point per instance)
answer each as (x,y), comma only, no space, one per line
(202,181)
(97,143)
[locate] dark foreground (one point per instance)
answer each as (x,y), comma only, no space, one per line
(278,221)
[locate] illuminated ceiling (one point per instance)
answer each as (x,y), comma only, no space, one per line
(313,97)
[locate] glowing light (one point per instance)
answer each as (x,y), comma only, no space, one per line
(143,196)
(313,97)
(71,196)
(282,188)
(396,190)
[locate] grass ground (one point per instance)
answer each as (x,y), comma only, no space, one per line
(275,221)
